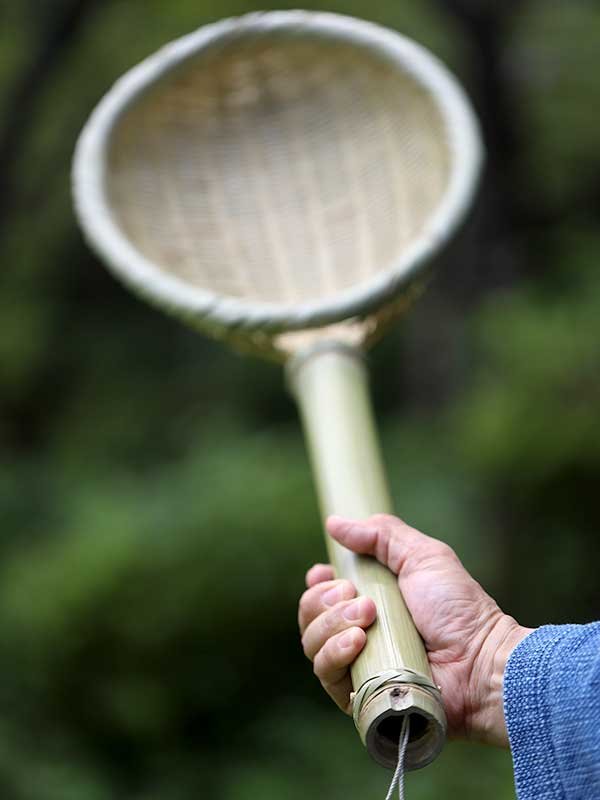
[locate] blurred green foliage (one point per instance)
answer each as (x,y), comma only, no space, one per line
(157,507)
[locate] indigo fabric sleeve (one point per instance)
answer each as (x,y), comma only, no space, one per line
(552,710)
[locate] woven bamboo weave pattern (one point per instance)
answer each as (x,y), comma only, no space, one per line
(285,170)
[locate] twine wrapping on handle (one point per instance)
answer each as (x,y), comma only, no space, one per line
(388,678)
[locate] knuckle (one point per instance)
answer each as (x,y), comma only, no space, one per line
(324,662)
(336,622)
(330,622)
(382,519)
(305,612)
(320,667)
(442,550)
(304,644)
(390,521)
(346,588)
(435,553)
(303,604)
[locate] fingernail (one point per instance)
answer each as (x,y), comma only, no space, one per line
(354,610)
(332,596)
(347,640)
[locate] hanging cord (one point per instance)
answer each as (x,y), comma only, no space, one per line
(398,779)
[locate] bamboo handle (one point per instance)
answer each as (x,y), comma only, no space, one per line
(330,386)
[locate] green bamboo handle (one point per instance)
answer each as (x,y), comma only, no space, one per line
(331,387)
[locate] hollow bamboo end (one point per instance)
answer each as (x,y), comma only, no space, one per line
(380,721)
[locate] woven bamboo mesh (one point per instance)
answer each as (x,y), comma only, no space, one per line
(284,170)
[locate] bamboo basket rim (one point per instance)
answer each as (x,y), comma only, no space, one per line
(220,314)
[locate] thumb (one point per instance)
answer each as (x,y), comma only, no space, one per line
(390,540)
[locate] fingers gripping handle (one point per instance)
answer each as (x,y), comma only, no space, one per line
(391,677)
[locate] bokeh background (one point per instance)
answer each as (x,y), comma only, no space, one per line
(157,511)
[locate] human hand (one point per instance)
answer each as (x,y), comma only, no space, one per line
(467,637)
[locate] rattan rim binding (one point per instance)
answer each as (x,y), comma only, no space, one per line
(218,314)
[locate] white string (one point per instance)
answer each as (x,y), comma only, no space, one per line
(398,778)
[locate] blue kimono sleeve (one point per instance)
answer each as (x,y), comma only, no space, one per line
(552,711)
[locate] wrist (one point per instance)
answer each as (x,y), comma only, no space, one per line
(487,723)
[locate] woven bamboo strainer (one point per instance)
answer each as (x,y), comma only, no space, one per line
(280,181)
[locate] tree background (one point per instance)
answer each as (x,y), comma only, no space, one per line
(156,504)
